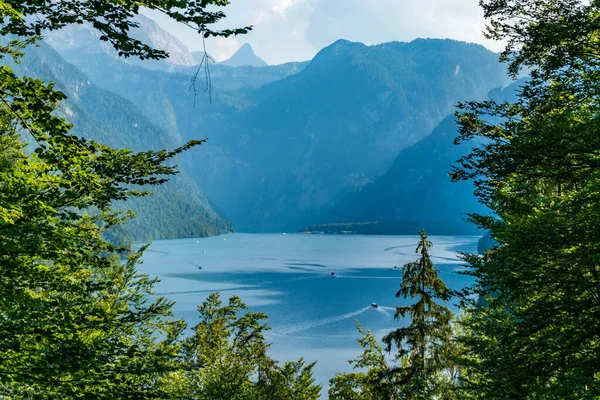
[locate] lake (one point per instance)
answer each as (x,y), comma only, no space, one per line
(289,277)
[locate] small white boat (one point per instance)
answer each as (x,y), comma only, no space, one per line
(374,305)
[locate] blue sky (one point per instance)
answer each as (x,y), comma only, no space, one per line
(295,30)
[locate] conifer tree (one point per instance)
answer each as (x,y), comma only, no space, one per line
(424,345)
(226,359)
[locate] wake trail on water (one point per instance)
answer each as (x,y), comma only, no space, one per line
(286,330)
(381,310)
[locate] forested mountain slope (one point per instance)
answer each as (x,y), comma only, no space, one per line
(177,209)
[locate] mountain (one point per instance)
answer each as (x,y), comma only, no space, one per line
(339,123)
(79,42)
(416,191)
(150,32)
(287,142)
(167,101)
(245,56)
(177,209)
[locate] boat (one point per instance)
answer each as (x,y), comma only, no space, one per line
(374,305)
(333,273)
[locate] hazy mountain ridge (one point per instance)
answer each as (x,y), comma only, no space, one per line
(166,97)
(339,123)
(82,41)
(416,192)
(177,209)
(286,142)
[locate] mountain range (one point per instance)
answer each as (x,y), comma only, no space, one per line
(177,209)
(80,41)
(286,149)
(357,134)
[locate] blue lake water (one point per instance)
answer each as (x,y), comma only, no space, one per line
(288,277)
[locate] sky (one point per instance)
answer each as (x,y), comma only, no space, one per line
(295,30)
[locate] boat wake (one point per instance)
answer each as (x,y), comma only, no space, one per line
(290,329)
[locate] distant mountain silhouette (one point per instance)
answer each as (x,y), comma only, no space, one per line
(291,146)
(245,57)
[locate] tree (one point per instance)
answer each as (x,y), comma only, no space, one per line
(226,358)
(75,320)
(373,384)
(536,335)
(424,345)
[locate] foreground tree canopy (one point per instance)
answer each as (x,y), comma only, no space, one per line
(536,332)
(76,321)
(79,321)
(531,321)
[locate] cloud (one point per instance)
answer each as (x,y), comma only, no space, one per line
(378,21)
(294,30)
(272,10)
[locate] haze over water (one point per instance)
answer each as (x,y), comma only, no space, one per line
(289,277)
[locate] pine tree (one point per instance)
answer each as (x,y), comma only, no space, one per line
(226,359)
(423,346)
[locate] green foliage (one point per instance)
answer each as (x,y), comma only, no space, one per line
(424,345)
(227,359)
(534,333)
(424,366)
(373,384)
(76,320)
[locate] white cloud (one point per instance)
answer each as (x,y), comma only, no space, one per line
(294,30)
(378,21)
(272,10)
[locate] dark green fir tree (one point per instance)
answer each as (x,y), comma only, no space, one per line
(423,345)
